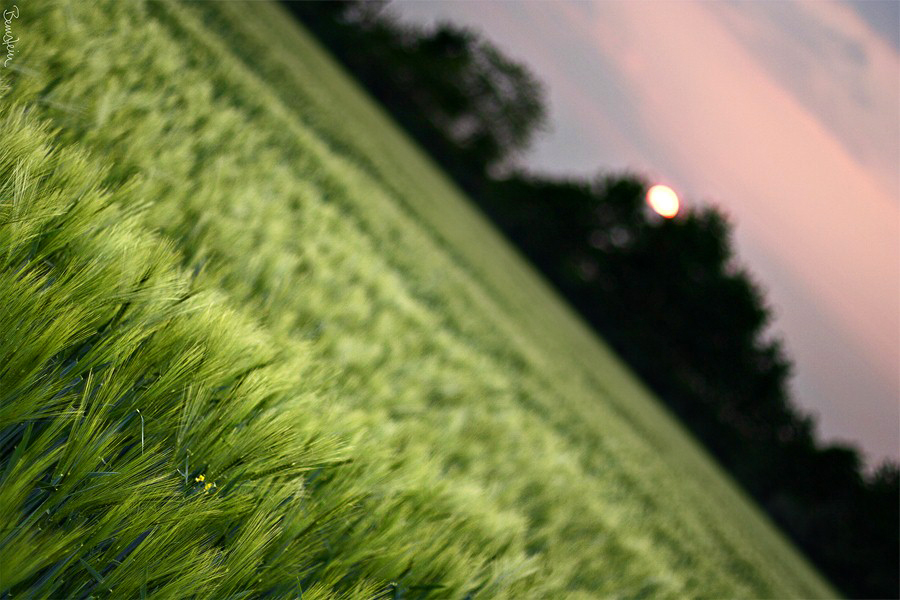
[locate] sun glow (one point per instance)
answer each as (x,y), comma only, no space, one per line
(663,200)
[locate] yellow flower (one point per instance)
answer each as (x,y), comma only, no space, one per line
(207,486)
(200,478)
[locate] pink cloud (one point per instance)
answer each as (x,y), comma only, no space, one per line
(832,63)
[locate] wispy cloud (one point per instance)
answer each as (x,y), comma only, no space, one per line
(829,60)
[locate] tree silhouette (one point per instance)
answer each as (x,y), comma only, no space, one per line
(468,104)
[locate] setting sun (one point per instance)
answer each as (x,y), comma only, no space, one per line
(663,200)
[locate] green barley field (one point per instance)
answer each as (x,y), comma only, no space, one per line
(253,344)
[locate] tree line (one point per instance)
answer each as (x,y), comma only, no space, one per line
(668,295)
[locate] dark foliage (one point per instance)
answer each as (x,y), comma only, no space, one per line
(471,107)
(667,294)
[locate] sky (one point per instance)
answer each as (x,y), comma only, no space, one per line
(786,116)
